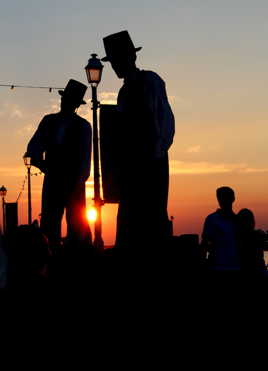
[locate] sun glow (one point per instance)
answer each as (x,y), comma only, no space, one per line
(91,214)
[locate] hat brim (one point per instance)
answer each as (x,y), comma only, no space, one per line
(61,93)
(107,59)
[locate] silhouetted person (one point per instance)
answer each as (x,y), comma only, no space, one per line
(65,140)
(219,234)
(28,253)
(147,130)
(3,264)
(251,243)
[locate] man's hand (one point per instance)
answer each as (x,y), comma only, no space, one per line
(40,164)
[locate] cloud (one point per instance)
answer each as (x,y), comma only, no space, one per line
(254,170)
(16,113)
(108,97)
(181,103)
(26,130)
(193,149)
(54,105)
(11,110)
(85,111)
(182,167)
(13,171)
(104,97)
(172,98)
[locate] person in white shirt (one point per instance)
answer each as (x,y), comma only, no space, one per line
(219,238)
(147,130)
(64,139)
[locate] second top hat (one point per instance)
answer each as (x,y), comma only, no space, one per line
(74,91)
(117,44)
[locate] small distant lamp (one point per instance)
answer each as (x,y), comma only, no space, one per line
(3,192)
(27,161)
(28,164)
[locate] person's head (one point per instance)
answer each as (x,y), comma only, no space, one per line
(72,96)
(123,65)
(68,105)
(121,53)
(225,197)
(246,220)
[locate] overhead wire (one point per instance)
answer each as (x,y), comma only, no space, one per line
(13,86)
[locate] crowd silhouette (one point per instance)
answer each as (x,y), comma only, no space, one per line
(37,258)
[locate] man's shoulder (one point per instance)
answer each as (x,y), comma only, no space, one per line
(213,216)
(212,221)
(153,82)
(219,218)
(48,120)
(51,116)
(150,74)
(151,77)
(83,122)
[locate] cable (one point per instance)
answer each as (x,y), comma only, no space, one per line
(24,181)
(22,188)
(12,86)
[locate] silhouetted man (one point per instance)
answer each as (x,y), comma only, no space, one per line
(219,234)
(147,130)
(61,148)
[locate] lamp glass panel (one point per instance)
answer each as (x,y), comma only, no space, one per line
(95,75)
(3,192)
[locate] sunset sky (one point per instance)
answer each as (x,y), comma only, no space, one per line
(213,56)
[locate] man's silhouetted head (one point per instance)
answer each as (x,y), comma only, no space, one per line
(68,105)
(121,52)
(225,197)
(72,96)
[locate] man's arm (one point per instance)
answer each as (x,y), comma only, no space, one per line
(160,111)
(206,242)
(37,146)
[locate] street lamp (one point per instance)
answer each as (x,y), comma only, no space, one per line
(3,192)
(27,162)
(94,72)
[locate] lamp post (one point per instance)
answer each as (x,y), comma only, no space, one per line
(3,192)
(94,71)
(27,162)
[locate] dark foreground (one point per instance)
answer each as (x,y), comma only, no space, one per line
(123,272)
(174,273)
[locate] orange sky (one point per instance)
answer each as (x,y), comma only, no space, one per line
(192,197)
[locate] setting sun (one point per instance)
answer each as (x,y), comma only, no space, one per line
(91,214)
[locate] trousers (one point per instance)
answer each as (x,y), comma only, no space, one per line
(57,196)
(142,219)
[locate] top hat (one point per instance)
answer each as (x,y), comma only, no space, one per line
(118,44)
(74,91)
